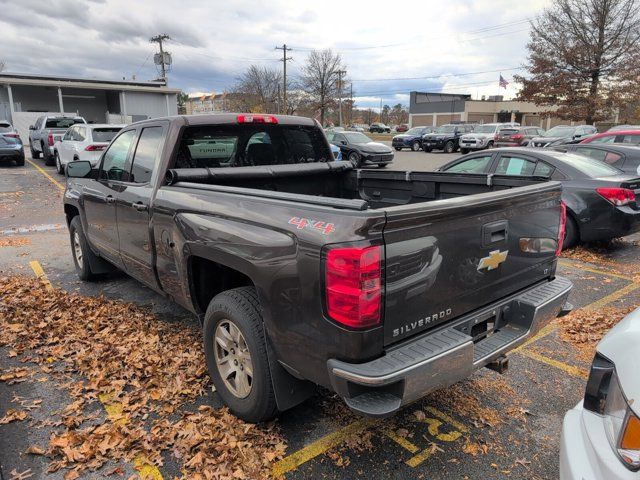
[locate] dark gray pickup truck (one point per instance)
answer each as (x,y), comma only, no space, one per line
(379,285)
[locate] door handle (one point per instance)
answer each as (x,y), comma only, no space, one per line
(110,199)
(139,206)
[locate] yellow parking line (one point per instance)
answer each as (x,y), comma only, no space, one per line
(570,369)
(44,172)
(612,297)
(416,460)
(443,416)
(320,446)
(403,442)
(40,275)
(595,270)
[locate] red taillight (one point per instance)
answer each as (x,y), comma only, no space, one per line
(562,229)
(617,196)
(12,135)
(353,281)
(517,136)
(50,140)
(94,148)
(257,119)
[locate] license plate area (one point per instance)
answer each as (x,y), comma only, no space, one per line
(480,327)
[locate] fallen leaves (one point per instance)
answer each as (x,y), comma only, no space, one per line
(145,367)
(15,242)
(586,327)
(13,415)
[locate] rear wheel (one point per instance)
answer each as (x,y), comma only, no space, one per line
(236,353)
(34,154)
(415,146)
(427,149)
(20,162)
(464,151)
(398,148)
(572,234)
(81,251)
(48,158)
(449,147)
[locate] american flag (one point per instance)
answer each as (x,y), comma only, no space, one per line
(503,83)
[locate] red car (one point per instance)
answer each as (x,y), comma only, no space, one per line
(630,137)
(402,128)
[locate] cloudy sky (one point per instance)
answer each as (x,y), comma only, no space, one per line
(434,45)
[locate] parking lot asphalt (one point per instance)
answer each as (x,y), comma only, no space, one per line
(489,426)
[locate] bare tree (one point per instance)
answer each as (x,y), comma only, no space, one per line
(2,65)
(583,58)
(258,90)
(320,79)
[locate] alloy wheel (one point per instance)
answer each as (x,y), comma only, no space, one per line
(233,359)
(77,249)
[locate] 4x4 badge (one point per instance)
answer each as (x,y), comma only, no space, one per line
(493,261)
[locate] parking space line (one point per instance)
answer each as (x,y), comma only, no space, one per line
(416,460)
(595,270)
(612,297)
(44,172)
(320,446)
(443,416)
(570,369)
(40,275)
(403,442)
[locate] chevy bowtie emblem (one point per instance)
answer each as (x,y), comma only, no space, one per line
(493,261)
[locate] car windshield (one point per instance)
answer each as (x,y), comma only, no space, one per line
(485,129)
(446,129)
(105,134)
(508,131)
(415,131)
(560,132)
(62,122)
(590,167)
(357,137)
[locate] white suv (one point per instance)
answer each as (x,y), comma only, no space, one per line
(483,136)
(84,142)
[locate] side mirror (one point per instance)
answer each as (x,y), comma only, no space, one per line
(79,169)
(343,142)
(31,127)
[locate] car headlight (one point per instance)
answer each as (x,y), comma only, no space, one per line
(605,397)
(480,141)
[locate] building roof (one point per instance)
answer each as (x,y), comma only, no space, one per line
(7,78)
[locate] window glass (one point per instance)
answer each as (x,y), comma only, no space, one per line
(631,139)
(543,169)
(592,153)
(80,134)
(612,158)
(68,135)
(105,134)
(513,165)
(472,165)
(61,122)
(147,154)
(246,145)
(588,166)
(607,139)
(116,156)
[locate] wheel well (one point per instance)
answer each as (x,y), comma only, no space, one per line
(209,278)
(70,211)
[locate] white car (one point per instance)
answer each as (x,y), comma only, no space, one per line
(601,435)
(483,136)
(84,142)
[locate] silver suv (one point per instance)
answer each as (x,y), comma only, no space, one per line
(483,136)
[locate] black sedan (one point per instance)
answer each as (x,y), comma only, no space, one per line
(563,135)
(601,199)
(11,147)
(411,139)
(360,149)
(624,157)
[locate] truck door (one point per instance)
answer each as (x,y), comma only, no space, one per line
(100,198)
(134,229)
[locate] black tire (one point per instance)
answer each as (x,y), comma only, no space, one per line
(34,154)
(20,162)
(59,166)
(449,147)
(415,146)
(83,264)
(355,159)
(490,144)
(241,307)
(464,151)
(398,148)
(48,159)
(427,149)
(382,165)
(572,234)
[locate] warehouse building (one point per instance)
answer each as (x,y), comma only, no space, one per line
(25,97)
(436,109)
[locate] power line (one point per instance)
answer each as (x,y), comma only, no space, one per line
(436,76)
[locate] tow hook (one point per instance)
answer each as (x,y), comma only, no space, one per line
(500,364)
(565,310)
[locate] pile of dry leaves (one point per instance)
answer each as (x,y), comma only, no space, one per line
(584,328)
(146,366)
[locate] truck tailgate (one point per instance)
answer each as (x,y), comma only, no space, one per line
(448,257)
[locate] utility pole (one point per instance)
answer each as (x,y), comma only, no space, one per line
(351,103)
(162,59)
(284,49)
(340,73)
(381,110)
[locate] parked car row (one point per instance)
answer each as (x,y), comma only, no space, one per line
(11,148)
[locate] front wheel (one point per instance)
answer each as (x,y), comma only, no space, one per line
(235,349)
(59,166)
(415,146)
(354,158)
(464,151)
(449,147)
(398,148)
(490,145)
(427,149)
(82,254)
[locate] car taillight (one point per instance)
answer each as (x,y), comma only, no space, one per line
(517,136)
(562,228)
(12,135)
(94,148)
(353,282)
(617,196)
(50,140)
(257,119)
